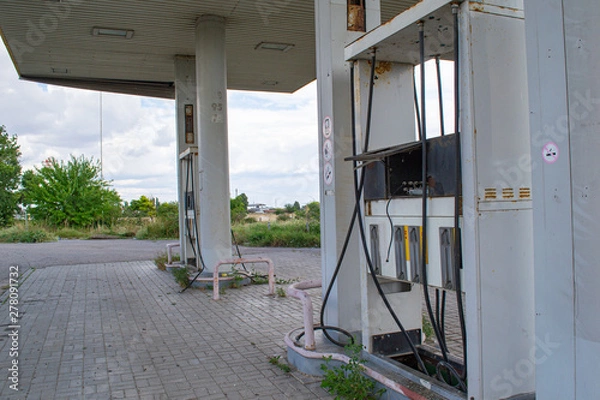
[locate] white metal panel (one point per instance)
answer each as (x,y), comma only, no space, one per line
(376,317)
(396,39)
(514,4)
(583,70)
(502,123)
(497,242)
(388,264)
(506,302)
(553,251)
(393,90)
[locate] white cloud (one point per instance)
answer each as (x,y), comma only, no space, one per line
(272,137)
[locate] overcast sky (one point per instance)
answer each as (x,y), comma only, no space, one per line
(272,137)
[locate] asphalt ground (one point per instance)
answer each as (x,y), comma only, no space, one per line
(75,252)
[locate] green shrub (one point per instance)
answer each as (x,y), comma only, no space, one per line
(283,217)
(278,234)
(20,234)
(125,231)
(71,233)
(161,228)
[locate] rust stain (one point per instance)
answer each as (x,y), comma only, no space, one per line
(369,209)
(490,193)
(356,18)
(508,193)
(480,7)
(524,193)
(476,7)
(383,67)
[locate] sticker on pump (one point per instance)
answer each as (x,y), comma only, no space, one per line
(328,174)
(550,153)
(327,149)
(327,126)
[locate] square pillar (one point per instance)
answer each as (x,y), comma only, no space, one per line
(335,142)
(211,73)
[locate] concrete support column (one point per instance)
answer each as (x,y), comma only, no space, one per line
(211,73)
(335,143)
(185,94)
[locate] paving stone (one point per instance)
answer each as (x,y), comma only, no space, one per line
(122,331)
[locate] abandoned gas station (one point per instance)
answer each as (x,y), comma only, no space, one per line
(499,211)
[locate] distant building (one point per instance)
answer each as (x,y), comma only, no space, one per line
(257,208)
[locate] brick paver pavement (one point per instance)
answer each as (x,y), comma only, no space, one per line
(122,331)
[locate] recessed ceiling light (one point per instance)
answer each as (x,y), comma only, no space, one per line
(270,83)
(112,32)
(283,47)
(60,70)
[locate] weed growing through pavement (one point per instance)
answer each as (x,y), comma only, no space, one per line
(348,380)
(181,276)
(275,360)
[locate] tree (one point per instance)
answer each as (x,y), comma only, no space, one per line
(10,173)
(70,194)
(313,211)
(239,207)
(168,210)
(143,207)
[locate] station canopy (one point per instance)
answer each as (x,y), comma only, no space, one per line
(129,46)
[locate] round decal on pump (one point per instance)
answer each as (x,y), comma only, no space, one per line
(550,153)
(327,126)
(328,174)
(327,149)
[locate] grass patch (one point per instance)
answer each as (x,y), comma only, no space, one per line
(161,260)
(181,276)
(161,228)
(348,381)
(71,233)
(37,232)
(427,328)
(22,234)
(278,234)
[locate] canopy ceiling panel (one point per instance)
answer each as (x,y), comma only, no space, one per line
(53,41)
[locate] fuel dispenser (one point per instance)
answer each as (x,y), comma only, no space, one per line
(190,251)
(444,212)
(410,252)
